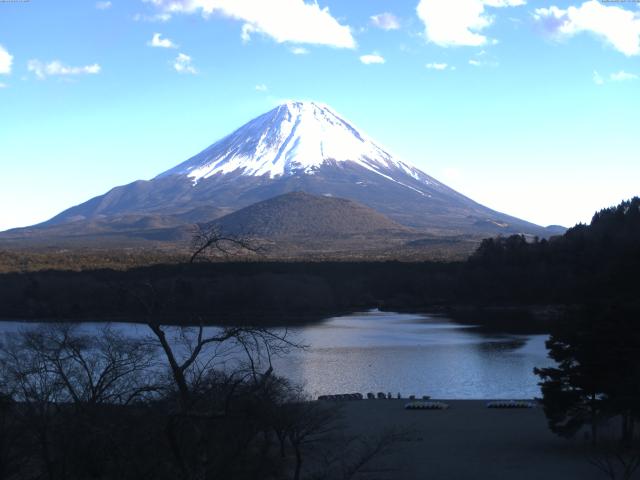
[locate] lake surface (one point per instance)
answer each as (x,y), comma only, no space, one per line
(409,354)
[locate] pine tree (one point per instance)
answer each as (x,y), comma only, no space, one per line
(597,376)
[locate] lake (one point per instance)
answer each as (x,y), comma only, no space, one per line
(411,354)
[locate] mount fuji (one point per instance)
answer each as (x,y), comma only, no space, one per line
(296,147)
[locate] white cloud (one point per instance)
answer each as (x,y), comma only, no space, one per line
(459,23)
(622,76)
(261,88)
(245,33)
(6,59)
(158,17)
(436,66)
(371,58)
(156,41)
(299,51)
(597,78)
(619,27)
(386,21)
(483,59)
(183,64)
(483,63)
(3,85)
(103,5)
(283,20)
(42,70)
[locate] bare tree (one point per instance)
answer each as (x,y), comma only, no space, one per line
(195,349)
(307,423)
(212,238)
(618,460)
(38,392)
(11,456)
(194,354)
(217,374)
(365,451)
(189,353)
(107,368)
(65,383)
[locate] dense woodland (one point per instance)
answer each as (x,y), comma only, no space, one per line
(589,263)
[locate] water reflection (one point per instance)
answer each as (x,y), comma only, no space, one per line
(406,353)
(414,354)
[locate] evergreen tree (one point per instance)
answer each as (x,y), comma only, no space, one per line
(597,376)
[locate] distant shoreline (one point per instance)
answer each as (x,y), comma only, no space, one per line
(489,319)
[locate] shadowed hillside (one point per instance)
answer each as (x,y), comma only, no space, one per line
(300,214)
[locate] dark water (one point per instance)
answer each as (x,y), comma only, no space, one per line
(406,353)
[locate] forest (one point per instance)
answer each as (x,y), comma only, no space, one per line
(588,264)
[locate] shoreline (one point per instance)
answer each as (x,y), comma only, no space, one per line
(509,319)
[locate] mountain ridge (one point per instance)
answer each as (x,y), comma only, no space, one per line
(297,146)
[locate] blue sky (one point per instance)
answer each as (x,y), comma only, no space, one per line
(530,108)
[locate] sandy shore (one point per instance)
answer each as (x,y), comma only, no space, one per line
(469,441)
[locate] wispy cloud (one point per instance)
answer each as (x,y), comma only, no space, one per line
(57,68)
(371,59)
(483,63)
(299,51)
(292,21)
(159,42)
(622,76)
(617,26)
(483,59)
(386,21)
(158,17)
(450,23)
(184,64)
(246,31)
(6,60)
(261,87)
(103,5)
(597,78)
(437,66)
(3,85)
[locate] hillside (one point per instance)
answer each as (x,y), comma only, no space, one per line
(300,215)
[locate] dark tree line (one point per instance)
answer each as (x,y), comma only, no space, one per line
(592,262)
(587,263)
(595,384)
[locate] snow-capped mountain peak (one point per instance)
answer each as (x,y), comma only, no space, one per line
(297,147)
(295,137)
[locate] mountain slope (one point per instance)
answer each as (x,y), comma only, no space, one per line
(299,146)
(297,137)
(298,214)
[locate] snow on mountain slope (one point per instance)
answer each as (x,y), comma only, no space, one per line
(296,137)
(299,147)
